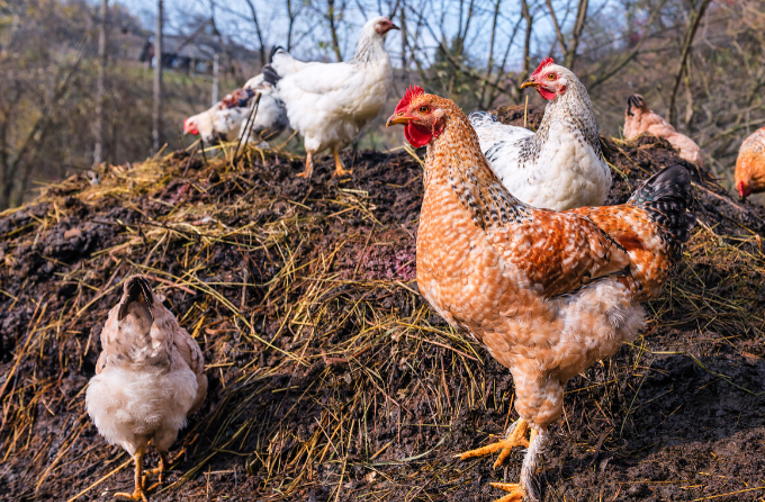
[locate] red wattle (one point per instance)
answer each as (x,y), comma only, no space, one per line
(548,95)
(417,135)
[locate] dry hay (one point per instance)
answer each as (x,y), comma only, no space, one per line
(330,377)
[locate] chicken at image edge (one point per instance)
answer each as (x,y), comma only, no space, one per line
(149,378)
(750,165)
(546,293)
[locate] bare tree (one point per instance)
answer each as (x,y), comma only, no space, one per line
(694,18)
(571,46)
(259,33)
(157,111)
(333,21)
(98,122)
(526,14)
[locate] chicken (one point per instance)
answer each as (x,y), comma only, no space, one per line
(560,166)
(329,103)
(547,293)
(149,378)
(229,116)
(750,165)
(638,119)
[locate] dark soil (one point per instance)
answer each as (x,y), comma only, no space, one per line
(330,377)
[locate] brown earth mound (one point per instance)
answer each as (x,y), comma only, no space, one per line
(330,377)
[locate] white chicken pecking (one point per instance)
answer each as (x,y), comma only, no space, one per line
(329,103)
(149,378)
(561,165)
(228,117)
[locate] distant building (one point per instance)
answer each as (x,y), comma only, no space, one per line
(181,53)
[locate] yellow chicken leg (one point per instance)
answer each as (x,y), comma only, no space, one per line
(138,493)
(308,166)
(339,168)
(517,437)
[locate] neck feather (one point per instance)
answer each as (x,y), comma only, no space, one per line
(455,162)
(370,48)
(573,112)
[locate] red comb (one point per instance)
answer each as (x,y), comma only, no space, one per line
(544,64)
(412,92)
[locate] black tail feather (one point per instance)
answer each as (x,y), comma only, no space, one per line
(136,287)
(270,75)
(668,199)
(274,50)
(635,101)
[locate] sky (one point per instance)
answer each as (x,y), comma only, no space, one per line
(233,19)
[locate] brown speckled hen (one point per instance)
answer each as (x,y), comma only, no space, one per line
(750,165)
(547,293)
(149,378)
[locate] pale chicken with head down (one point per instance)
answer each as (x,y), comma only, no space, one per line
(149,378)
(561,165)
(547,293)
(229,117)
(329,103)
(639,119)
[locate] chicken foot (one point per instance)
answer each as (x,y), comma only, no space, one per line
(516,436)
(529,486)
(308,166)
(339,168)
(164,464)
(138,493)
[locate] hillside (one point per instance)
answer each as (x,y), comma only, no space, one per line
(331,379)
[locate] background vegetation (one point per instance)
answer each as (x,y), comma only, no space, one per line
(698,62)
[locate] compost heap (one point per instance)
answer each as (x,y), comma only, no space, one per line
(330,376)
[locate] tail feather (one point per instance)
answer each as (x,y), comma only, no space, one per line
(270,75)
(274,50)
(635,101)
(480,118)
(135,288)
(667,197)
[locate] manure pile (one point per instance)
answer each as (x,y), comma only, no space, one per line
(330,377)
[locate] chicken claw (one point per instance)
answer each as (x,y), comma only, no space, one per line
(308,167)
(516,492)
(516,437)
(339,168)
(164,464)
(140,479)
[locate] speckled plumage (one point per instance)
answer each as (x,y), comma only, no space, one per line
(639,119)
(547,293)
(561,165)
(750,164)
(149,375)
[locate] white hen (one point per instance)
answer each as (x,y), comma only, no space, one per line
(329,103)
(228,117)
(149,378)
(560,166)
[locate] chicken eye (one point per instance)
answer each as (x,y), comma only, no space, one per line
(551,76)
(424,109)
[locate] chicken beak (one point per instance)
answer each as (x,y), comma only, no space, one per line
(393,27)
(398,119)
(530,83)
